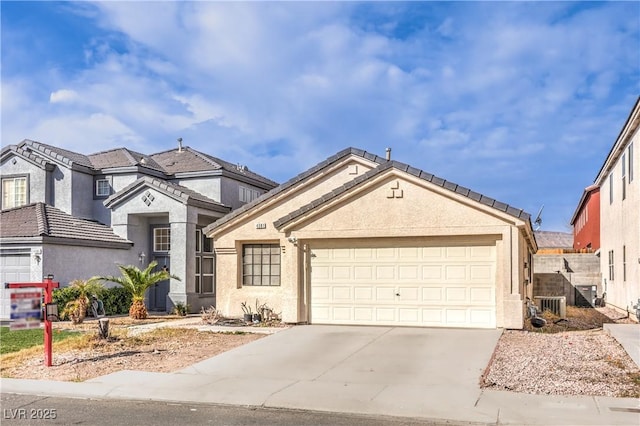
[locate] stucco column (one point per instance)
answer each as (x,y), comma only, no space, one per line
(513,307)
(182,265)
(290,276)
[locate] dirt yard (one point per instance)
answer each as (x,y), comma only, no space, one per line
(162,350)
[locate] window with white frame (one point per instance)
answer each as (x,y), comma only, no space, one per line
(205,264)
(247,195)
(14,192)
(261,264)
(611,265)
(162,239)
(611,188)
(103,188)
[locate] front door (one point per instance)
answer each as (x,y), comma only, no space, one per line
(158,292)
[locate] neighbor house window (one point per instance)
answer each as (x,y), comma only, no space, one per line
(611,188)
(161,239)
(247,194)
(610,265)
(624,263)
(205,263)
(624,176)
(103,188)
(14,192)
(630,162)
(261,264)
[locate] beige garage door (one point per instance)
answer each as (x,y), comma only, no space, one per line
(451,286)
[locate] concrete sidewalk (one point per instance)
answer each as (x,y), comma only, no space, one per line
(422,373)
(628,335)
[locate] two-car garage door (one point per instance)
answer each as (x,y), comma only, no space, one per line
(445,286)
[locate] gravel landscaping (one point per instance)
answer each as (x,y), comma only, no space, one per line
(565,359)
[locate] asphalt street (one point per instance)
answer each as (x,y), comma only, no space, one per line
(38,410)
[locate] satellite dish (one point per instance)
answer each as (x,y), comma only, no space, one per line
(538,221)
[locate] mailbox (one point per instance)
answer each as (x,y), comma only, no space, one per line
(51,311)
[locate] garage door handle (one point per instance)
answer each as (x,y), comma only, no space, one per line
(397,294)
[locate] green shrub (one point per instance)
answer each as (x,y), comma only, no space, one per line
(116,300)
(62,296)
(181,309)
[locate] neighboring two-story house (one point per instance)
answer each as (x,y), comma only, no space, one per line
(620,217)
(75,215)
(586,221)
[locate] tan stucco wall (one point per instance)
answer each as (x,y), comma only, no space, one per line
(228,245)
(393,208)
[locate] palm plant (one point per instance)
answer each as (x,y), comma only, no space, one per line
(136,282)
(77,309)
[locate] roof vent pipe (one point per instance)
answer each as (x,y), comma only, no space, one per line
(179,144)
(388,150)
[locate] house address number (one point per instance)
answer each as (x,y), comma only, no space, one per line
(261,226)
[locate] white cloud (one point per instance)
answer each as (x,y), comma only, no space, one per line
(63,96)
(283,85)
(78,132)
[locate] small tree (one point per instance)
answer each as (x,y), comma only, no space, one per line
(136,282)
(77,309)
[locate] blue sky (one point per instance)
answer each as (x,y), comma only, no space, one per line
(518,101)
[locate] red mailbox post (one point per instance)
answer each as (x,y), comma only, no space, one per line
(48,285)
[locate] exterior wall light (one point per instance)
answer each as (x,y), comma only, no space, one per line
(37,255)
(141,257)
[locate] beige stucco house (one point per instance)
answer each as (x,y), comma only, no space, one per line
(620,217)
(360,239)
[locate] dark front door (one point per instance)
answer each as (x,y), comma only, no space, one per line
(158,292)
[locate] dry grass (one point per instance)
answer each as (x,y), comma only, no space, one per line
(88,356)
(88,339)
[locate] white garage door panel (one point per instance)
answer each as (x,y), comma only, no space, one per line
(14,268)
(430,286)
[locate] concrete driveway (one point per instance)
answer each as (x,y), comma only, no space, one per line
(377,370)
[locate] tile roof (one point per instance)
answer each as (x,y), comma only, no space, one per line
(185,160)
(40,220)
(28,154)
(173,190)
(168,162)
(461,190)
(62,155)
(189,160)
(550,239)
(122,157)
(383,165)
(295,180)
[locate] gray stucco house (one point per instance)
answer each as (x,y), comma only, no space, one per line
(75,215)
